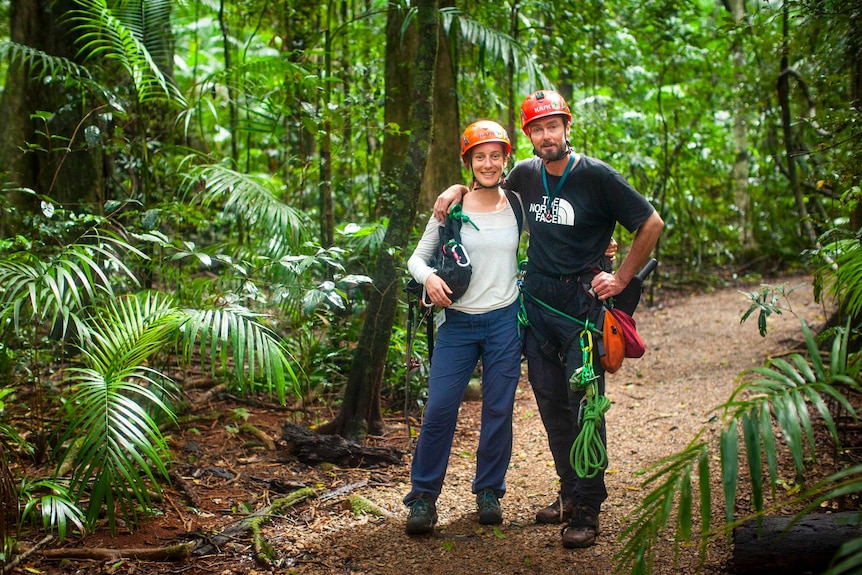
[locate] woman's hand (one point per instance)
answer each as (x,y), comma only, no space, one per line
(438,291)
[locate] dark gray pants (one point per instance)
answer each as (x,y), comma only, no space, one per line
(558,404)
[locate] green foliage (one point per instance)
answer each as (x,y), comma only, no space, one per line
(52,501)
(672,481)
(841,274)
(210,125)
(42,65)
(773,398)
(102,33)
(114,401)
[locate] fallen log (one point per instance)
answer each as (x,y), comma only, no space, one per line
(775,547)
(252,524)
(178,552)
(312,449)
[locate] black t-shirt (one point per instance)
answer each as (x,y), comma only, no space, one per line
(569,232)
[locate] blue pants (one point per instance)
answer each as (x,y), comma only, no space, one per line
(558,403)
(461,341)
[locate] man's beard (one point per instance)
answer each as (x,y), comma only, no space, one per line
(558,152)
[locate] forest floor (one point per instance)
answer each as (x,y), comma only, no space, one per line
(696,349)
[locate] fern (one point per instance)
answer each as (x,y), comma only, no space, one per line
(494,45)
(256,350)
(56,288)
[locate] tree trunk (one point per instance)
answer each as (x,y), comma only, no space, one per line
(789,140)
(69,177)
(513,115)
(444,154)
(400,55)
(360,410)
(327,217)
(741,163)
(854,60)
(300,24)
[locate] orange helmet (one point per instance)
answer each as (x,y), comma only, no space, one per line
(542,104)
(482,132)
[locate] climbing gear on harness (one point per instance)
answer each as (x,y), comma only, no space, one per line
(614,343)
(588,455)
(417,314)
(451,261)
(634,345)
(628,299)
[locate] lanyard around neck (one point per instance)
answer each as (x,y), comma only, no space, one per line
(560,183)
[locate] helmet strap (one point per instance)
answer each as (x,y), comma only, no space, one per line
(477,186)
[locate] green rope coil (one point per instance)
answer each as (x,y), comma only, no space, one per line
(588,454)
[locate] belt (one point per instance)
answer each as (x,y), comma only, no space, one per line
(578,278)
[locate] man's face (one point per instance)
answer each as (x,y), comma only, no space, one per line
(548,136)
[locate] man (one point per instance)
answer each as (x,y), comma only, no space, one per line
(572,203)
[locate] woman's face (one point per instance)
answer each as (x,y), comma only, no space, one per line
(487,161)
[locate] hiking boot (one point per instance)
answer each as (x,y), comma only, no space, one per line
(557,512)
(489,507)
(582,528)
(423,514)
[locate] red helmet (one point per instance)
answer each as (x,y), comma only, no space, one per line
(542,104)
(482,132)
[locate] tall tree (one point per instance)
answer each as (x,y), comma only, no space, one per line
(741,162)
(57,132)
(360,411)
(444,155)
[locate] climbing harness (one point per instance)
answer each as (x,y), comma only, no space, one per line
(588,454)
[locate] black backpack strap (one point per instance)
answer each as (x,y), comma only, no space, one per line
(517,207)
(450,230)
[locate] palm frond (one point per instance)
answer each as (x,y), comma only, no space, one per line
(110,421)
(494,45)
(102,34)
(253,199)
(777,395)
(119,449)
(256,351)
(58,288)
(848,560)
(843,279)
(51,499)
(781,393)
(673,478)
(149,20)
(42,64)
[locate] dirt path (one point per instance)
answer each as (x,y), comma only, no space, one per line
(696,348)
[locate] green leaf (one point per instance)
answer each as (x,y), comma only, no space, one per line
(729,467)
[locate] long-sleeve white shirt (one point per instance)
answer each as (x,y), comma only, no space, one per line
(493,250)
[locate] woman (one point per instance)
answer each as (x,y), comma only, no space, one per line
(481,324)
